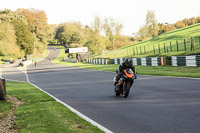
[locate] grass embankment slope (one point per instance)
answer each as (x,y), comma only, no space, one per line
(193,72)
(173,36)
(40,113)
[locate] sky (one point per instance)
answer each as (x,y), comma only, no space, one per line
(130,13)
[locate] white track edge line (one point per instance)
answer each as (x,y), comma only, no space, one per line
(72,109)
(25,72)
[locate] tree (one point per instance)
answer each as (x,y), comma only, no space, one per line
(112,29)
(8,45)
(162,28)
(142,34)
(198,19)
(52,33)
(152,24)
(97,27)
(69,33)
(192,21)
(169,27)
(25,39)
(186,21)
(37,24)
(60,33)
(179,24)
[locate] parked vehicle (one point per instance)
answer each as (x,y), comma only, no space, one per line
(125,82)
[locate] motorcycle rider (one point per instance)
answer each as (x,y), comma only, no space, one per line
(127,64)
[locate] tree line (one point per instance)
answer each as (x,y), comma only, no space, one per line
(22,32)
(26,31)
(103,34)
(152,28)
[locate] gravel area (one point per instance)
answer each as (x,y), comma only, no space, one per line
(7,123)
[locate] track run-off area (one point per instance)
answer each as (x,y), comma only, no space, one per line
(155,104)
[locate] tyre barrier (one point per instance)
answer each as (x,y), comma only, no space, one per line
(98,61)
(70,60)
(193,60)
(150,61)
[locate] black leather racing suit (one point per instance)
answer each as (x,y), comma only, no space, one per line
(121,68)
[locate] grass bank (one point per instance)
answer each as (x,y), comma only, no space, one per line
(193,72)
(172,43)
(41,113)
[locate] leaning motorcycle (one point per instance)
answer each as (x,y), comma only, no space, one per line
(124,83)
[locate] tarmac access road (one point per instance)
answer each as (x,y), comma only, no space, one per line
(155,104)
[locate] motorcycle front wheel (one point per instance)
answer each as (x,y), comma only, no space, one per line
(116,91)
(126,88)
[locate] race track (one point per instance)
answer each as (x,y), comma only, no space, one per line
(155,104)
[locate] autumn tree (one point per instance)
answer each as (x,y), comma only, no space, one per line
(37,24)
(24,38)
(186,21)
(97,41)
(169,27)
(94,44)
(179,24)
(8,45)
(69,33)
(142,34)
(112,29)
(152,24)
(192,21)
(198,19)
(52,33)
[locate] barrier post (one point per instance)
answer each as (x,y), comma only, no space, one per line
(2,89)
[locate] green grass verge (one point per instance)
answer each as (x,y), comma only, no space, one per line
(42,114)
(193,72)
(61,57)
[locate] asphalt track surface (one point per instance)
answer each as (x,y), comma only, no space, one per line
(155,104)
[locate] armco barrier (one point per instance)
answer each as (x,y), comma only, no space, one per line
(193,60)
(150,61)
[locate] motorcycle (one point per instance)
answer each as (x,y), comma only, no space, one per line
(124,83)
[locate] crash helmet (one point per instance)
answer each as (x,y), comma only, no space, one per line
(128,62)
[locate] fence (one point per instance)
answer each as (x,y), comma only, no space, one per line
(186,60)
(186,44)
